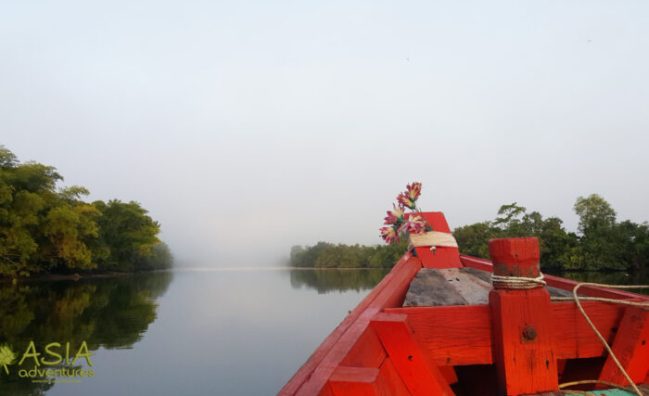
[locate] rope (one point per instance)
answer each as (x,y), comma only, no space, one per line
(516,282)
(588,382)
(433,239)
(599,335)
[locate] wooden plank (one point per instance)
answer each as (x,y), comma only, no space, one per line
(477,263)
(453,335)
(461,335)
(430,287)
(631,348)
(573,336)
(390,382)
(366,352)
(473,289)
(367,381)
(360,381)
(419,374)
(523,342)
(449,374)
(389,293)
(448,286)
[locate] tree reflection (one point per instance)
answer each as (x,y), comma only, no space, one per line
(107,312)
(327,280)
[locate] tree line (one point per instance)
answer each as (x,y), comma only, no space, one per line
(45,229)
(601,243)
(329,255)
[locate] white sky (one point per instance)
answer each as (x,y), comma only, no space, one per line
(247,127)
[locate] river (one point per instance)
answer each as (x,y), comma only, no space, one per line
(184,332)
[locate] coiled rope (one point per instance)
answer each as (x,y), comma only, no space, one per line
(516,282)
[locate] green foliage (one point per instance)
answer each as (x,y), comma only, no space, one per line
(127,233)
(602,243)
(328,255)
(43,229)
(473,238)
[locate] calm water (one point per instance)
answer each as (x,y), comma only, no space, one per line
(181,333)
(185,332)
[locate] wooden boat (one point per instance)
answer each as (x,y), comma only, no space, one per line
(436,325)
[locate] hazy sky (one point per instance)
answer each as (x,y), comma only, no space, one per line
(248,126)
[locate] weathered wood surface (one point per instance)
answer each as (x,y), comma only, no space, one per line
(454,286)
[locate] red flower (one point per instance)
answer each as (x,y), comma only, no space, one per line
(415,224)
(413,190)
(389,234)
(405,201)
(395,216)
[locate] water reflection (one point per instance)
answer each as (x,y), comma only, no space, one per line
(107,312)
(327,280)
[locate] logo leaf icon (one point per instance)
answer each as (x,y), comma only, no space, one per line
(7,357)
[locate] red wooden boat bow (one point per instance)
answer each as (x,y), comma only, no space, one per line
(472,338)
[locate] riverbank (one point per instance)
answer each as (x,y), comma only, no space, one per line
(76,276)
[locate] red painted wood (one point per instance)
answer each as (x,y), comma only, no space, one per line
(461,335)
(441,257)
(314,374)
(449,374)
(561,366)
(366,352)
(477,263)
(573,337)
(366,381)
(420,375)
(391,383)
(515,256)
(326,390)
(521,320)
(452,335)
(523,345)
(631,346)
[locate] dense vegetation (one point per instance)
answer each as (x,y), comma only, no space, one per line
(329,255)
(601,242)
(45,229)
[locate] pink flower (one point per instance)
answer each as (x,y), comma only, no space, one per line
(389,234)
(395,216)
(415,224)
(413,190)
(405,201)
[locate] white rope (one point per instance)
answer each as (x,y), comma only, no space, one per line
(642,304)
(592,325)
(433,239)
(516,282)
(588,382)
